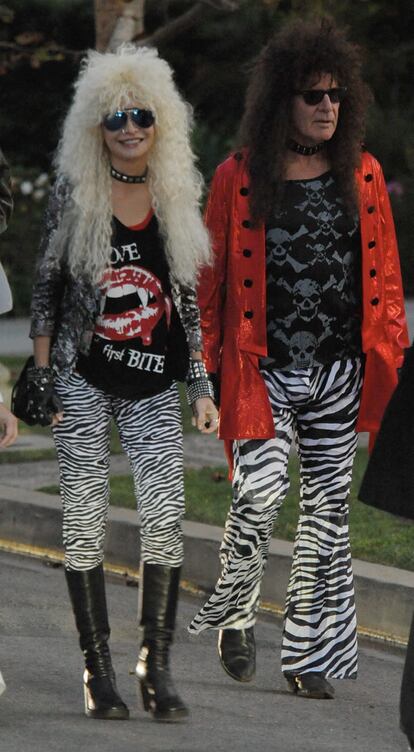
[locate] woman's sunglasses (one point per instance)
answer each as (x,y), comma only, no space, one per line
(315,96)
(141,118)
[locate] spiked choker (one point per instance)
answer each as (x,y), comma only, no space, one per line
(128,178)
(306,151)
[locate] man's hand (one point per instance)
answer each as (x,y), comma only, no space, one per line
(8,424)
(205,416)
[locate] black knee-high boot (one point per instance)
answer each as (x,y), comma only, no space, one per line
(159,605)
(87,593)
(407,691)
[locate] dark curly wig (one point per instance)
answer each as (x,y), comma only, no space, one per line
(292,58)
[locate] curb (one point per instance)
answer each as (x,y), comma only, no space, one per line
(384,595)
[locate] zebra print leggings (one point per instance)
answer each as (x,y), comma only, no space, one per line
(319,406)
(150,431)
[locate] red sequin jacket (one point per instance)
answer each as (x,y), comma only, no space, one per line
(232,299)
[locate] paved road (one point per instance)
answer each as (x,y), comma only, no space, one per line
(41,710)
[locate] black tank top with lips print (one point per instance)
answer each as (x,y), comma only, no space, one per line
(129,355)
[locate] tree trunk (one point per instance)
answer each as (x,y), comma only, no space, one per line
(130,24)
(120,21)
(106,15)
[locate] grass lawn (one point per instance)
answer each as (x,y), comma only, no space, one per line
(375,536)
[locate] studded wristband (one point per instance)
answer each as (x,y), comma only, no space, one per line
(198,384)
(40,375)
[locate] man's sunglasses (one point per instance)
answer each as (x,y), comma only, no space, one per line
(141,118)
(315,96)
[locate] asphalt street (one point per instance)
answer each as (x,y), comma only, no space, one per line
(42,708)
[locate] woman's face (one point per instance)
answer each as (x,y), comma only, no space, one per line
(313,123)
(129,146)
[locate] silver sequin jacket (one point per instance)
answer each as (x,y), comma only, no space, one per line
(65,307)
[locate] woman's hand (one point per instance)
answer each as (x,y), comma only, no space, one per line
(8,424)
(205,415)
(47,406)
(44,405)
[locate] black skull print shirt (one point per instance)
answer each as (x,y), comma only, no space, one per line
(313,278)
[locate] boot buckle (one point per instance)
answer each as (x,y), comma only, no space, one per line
(141,667)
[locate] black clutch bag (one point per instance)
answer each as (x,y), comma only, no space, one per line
(20,395)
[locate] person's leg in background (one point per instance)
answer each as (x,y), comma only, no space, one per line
(407,691)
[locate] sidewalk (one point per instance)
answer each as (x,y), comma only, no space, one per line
(384,595)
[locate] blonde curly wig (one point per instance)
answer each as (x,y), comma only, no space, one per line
(106,82)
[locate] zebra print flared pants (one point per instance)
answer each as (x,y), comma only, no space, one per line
(150,431)
(318,406)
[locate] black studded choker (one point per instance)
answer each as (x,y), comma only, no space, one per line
(306,151)
(128,178)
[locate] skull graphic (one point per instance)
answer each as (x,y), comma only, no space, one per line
(325,221)
(314,193)
(278,245)
(302,349)
(307,298)
(316,196)
(320,253)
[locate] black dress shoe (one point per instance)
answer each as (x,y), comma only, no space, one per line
(312,685)
(237,652)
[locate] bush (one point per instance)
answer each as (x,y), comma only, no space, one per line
(402,198)
(38,85)
(20,243)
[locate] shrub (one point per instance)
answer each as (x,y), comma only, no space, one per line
(20,243)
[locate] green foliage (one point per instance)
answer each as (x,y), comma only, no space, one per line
(211,63)
(19,245)
(404,222)
(390,138)
(212,147)
(38,81)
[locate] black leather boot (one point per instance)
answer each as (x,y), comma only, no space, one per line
(407,691)
(159,605)
(237,652)
(87,593)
